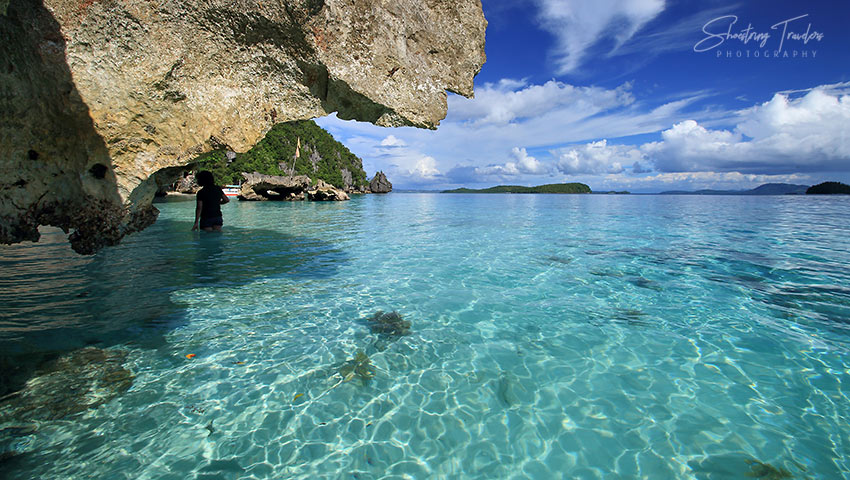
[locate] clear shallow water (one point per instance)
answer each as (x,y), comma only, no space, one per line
(553,337)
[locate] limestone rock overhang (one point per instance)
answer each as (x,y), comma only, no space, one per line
(101,101)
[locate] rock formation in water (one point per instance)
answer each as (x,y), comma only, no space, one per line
(298,187)
(360,366)
(103,101)
(380,184)
(273,187)
(388,324)
(83,379)
(324,191)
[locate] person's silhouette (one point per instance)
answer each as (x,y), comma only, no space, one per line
(208,207)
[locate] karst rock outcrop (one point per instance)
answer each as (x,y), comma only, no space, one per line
(257,186)
(380,184)
(325,192)
(101,101)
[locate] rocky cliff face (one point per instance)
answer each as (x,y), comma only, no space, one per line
(102,100)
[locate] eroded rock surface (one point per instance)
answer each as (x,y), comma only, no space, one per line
(83,379)
(288,188)
(102,100)
(380,184)
(324,192)
(273,187)
(187,184)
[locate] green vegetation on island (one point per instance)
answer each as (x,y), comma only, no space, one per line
(320,157)
(766,189)
(551,188)
(829,188)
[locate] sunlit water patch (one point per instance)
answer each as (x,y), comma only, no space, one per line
(438,336)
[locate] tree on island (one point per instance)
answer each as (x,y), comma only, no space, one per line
(829,188)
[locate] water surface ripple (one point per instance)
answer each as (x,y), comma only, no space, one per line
(553,336)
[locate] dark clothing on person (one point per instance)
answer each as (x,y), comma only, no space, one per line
(210,197)
(211,222)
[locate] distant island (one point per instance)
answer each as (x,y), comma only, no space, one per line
(829,188)
(551,188)
(766,189)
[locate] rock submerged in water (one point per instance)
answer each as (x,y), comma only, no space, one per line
(74,383)
(388,324)
(360,366)
(738,465)
(380,184)
(106,99)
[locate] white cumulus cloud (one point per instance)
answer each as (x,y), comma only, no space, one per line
(424,167)
(527,163)
(801,132)
(688,146)
(506,170)
(523,164)
(596,157)
(697,181)
(811,133)
(392,141)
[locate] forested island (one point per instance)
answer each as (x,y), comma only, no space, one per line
(288,149)
(766,189)
(550,188)
(829,188)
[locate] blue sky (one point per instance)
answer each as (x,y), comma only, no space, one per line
(638,95)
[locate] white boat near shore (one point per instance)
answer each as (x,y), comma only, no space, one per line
(231,190)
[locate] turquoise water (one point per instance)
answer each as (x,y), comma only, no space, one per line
(553,336)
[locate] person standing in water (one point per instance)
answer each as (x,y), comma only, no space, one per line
(208,206)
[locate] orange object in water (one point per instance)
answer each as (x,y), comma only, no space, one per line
(190,356)
(298,396)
